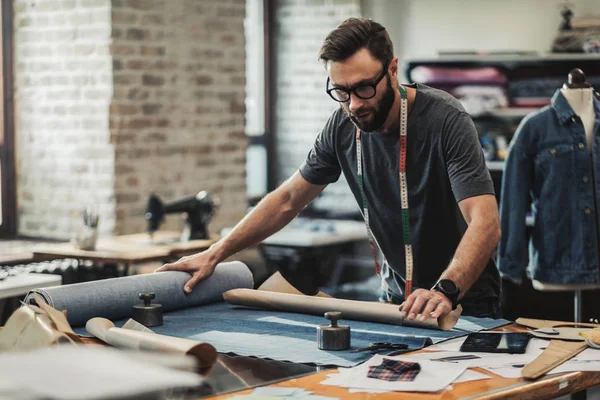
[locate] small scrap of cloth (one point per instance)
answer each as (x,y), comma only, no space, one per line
(394,370)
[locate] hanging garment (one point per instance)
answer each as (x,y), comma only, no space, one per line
(549,168)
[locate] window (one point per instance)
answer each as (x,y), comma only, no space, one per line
(259,154)
(8,197)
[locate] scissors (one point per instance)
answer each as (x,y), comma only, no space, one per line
(374,347)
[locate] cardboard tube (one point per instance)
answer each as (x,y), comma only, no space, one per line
(106,331)
(351,309)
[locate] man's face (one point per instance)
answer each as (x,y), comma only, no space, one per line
(362,69)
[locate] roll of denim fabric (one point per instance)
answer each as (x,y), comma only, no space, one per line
(114,298)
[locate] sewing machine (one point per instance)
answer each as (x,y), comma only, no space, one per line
(199,208)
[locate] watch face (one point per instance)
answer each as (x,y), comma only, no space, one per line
(448,286)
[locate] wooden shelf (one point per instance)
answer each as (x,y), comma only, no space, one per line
(450,58)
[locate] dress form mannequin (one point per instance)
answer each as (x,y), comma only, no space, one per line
(582,102)
(580,97)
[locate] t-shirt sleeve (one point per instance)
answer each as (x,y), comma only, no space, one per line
(465,163)
(321,166)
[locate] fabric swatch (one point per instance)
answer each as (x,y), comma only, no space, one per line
(395,370)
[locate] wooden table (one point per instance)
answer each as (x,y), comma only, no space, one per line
(237,372)
(495,388)
(18,285)
(21,284)
(127,250)
(17,258)
(168,240)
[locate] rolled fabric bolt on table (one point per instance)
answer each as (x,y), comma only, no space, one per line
(351,309)
(114,298)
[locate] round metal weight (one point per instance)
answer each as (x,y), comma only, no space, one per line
(334,336)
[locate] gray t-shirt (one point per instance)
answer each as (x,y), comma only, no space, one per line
(445,165)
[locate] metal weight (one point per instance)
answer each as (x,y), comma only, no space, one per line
(148,314)
(334,336)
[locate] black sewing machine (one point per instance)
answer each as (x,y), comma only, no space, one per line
(199,209)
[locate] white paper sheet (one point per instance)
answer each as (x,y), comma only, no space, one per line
(448,345)
(353,390)
(587,355)
(432,378)
(510,365)
(78,372)
(279,393)
(503,364)
(466,376)
(571,366)
(587,360)
(469,376)
(451,357)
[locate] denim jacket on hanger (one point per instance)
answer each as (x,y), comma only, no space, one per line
(549,168)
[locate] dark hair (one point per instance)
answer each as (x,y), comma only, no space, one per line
(353,35)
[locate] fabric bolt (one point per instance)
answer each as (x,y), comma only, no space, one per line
(293,337)
(549,169)
(114,298)
(395,370)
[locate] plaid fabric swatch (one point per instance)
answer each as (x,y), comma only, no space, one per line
(393,370)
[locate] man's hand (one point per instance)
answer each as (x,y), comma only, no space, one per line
(200,266)
(428,303)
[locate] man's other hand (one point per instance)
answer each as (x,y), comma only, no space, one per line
(428,303)
(200,266)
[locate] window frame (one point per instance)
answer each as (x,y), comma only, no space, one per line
(8,227)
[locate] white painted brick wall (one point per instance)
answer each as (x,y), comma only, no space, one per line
(116,99)
(303,106)
(63,85)
(177,116)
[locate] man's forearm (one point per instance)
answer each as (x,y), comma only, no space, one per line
(472,254)
(270,215)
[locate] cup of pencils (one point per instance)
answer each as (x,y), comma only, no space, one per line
(86,237)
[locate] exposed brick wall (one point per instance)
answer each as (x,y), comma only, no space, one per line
(177,116)
(118,99)
(63,86)
(303,107)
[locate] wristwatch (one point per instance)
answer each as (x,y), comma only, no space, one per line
(449,289)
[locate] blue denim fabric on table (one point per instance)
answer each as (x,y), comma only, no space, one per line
(293,337)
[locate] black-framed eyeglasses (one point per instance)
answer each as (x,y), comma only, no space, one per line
(363,91)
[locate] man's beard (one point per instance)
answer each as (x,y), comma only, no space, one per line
(380,112)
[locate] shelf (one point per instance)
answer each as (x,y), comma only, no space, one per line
(506,58)
(495,165)
(513,66)
(512,112)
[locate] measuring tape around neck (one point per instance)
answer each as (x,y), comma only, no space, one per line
(403,195)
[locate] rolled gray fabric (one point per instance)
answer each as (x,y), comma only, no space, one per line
(114,298)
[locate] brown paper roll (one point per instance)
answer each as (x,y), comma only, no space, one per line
(351,309)
(106,331)
(277,283)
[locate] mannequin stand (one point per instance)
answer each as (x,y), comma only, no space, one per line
(577,294)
